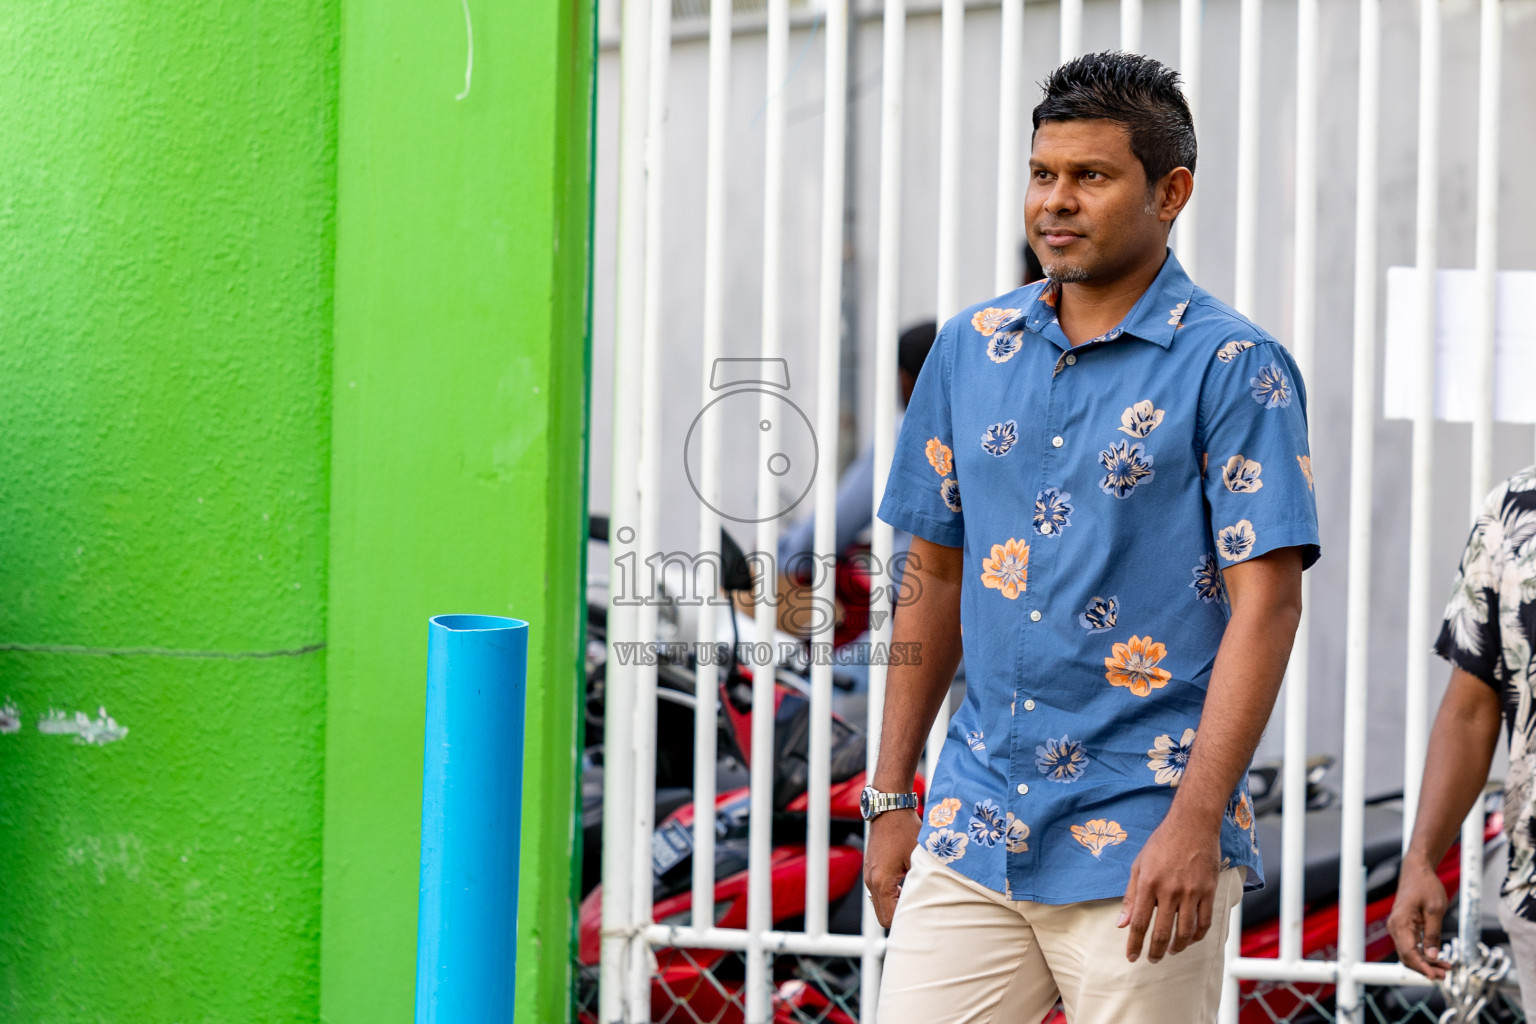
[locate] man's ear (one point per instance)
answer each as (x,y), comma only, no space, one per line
(1173,193)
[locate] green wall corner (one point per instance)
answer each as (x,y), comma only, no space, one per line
(458,451)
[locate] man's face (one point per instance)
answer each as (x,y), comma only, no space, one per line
(1088,209)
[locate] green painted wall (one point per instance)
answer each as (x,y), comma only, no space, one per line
(284,324)
(459,424)
(167,191)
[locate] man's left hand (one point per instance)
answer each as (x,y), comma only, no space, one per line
(1175,874)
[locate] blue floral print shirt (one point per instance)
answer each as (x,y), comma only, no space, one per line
(1097,492)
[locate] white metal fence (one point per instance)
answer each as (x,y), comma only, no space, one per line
(640,347)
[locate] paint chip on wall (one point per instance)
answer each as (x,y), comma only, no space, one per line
(98,731)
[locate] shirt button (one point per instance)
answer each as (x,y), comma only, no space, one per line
(1071,360)
(1057,442)
(1029,705)
(1045,527)
(1023,789)
(1034,616)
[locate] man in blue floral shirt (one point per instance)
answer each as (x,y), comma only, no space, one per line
(1109,488)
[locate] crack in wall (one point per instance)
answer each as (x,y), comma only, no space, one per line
(160,652)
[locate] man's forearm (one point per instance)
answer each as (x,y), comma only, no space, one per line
(914,692)
(1461,748)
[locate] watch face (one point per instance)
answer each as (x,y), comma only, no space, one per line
(864,803)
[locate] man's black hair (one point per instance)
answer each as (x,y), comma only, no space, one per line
(1137,93)
(912,349)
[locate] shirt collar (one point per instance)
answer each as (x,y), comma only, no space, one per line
(1156,316)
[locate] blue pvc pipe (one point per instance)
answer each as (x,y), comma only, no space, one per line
(471,805)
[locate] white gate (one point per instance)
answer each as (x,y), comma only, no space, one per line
(648,350)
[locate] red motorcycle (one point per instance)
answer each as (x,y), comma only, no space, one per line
(710,981)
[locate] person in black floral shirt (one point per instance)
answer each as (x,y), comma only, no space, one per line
(1489,625)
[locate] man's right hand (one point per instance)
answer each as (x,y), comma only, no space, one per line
(888,858)
(1415,920)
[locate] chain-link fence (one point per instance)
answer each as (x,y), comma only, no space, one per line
(705,987)
(1279,1002)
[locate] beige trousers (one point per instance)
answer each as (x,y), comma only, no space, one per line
(960,953)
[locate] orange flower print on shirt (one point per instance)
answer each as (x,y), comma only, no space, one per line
(943,812)
(1098,834)
(1134,666)
(991,318)
(1242,812)
(1008,569)
(940,457)
(1305,462)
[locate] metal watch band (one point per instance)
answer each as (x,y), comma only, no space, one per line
(882,802)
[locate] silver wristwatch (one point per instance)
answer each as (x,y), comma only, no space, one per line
(873,803)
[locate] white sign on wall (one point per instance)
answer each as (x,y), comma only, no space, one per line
(1456,390)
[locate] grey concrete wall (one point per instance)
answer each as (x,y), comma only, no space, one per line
(1330,383)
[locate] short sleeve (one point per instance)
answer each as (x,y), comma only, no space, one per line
(1470,638)
(1256,462)
(922,492)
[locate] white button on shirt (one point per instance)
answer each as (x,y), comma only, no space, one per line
(1029,705)
(1071,360)
(1034,616)
(1057,442)
(1023,788)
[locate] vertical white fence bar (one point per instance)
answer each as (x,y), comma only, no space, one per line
(887,298)
(760,832)
(1248,110)
(706,679)
(1071,29)
(1362,449)
(1422,486)
(951,110)
(1304,314)
(819,780)
(1009,125)
(1130,26)
(1469,896)
(1190,20)
(637,984)
(618,934)
(1297,682)
(1487,262)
